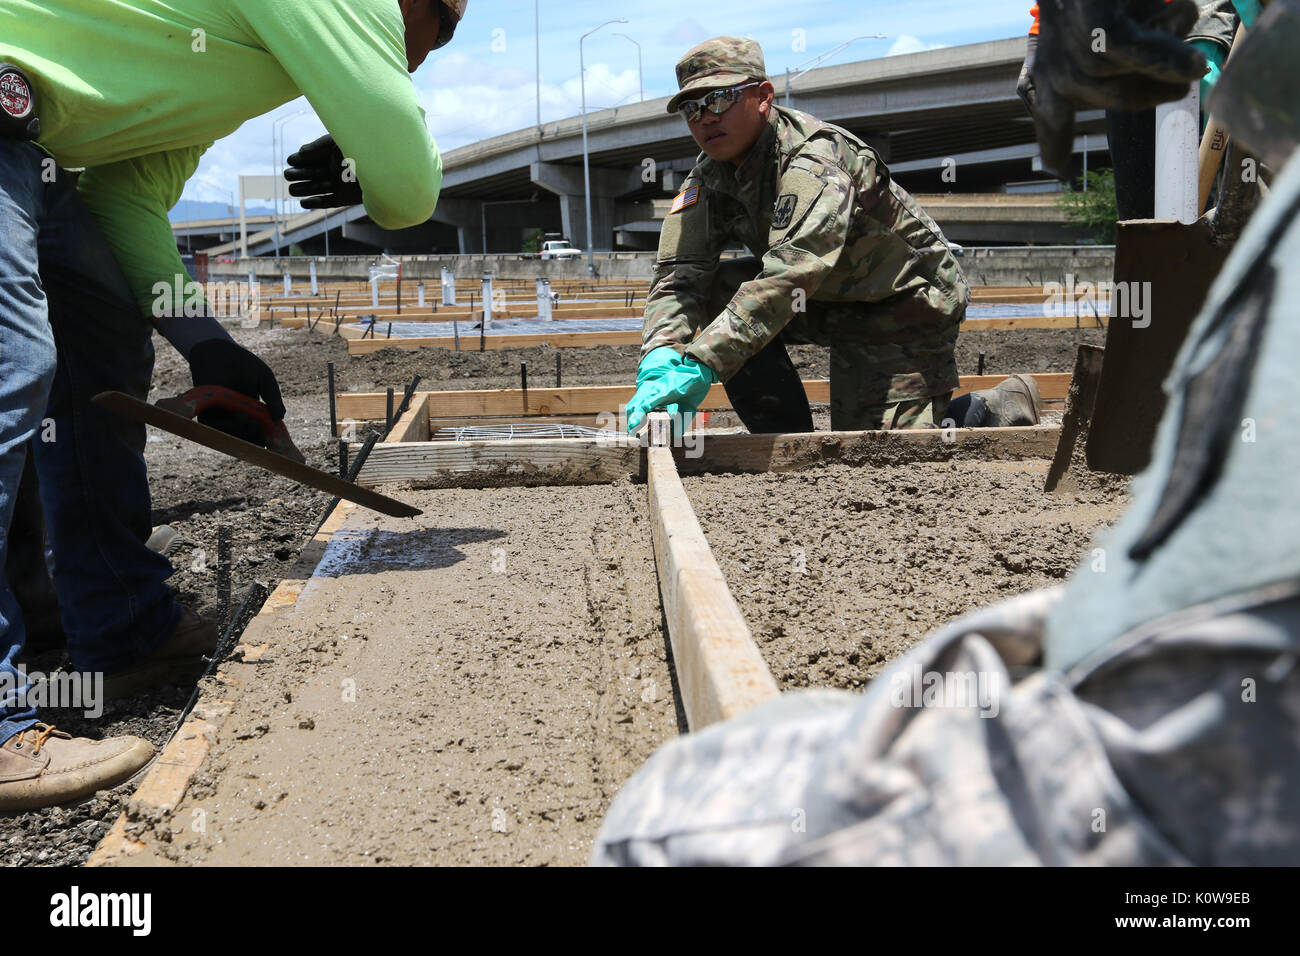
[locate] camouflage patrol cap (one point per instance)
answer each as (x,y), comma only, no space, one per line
(716,64)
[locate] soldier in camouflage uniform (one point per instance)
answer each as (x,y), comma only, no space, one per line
(848,260)
(1146,713)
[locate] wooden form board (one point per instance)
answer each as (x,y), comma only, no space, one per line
(354,314)
(720,671)
(1034,322)
(580,461)
(412,424)
(607,398)
(469,341)
(504,463)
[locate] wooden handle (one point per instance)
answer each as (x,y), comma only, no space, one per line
(1214,142)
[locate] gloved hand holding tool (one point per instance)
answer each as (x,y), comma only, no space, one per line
(231,385)
(1116,54)
(321,177)
(668,381)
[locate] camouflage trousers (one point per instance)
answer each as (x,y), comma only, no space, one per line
(1176,746)
(893,363)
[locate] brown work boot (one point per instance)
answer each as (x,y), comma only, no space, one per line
(43,767)
(1015,401)
(182,657)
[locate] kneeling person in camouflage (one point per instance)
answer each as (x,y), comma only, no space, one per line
(847,259)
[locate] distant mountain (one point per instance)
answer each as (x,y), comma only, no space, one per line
(188,209)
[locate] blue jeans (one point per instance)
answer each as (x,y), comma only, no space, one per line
(69,329)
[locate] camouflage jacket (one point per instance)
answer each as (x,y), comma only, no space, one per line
(820,208)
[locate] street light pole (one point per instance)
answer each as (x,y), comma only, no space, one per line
(275,172)
(804,67)
(640,77)
(586,160)
(537,38)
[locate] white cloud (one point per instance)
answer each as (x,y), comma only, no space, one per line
(483,103)
(906,43)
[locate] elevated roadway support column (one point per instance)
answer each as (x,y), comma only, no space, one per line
(566,183)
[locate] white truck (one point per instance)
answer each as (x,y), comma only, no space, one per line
(559,249)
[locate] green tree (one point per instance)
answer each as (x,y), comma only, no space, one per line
(1094,208)
(532,241)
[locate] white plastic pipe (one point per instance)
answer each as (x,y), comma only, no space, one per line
(544,299)
(1178,134)
(487,298)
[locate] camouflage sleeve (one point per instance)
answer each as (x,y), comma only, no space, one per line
(810,223)
(689,247)
(1160,752)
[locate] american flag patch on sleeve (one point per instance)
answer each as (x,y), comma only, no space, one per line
(687,197)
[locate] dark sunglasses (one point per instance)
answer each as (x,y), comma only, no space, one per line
(717,101)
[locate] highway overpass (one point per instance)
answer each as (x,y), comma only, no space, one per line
(948,123)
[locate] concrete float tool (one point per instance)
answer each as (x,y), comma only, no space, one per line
(176,415)
(1164,268)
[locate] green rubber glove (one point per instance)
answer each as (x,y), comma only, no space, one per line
(657,364)
(673,383)
(1214,56)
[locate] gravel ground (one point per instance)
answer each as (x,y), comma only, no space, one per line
(195,491)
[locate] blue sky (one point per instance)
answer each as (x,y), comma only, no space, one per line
(483,83)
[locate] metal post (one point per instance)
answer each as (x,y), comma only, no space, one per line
(557,368)
(537,37)
(455,331)
(639,74)
(388,418)
(448,287)
(223,573)
(312,265)
(419,295)
(586,159)
(288,284)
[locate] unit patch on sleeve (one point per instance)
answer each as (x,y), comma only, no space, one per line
(687,197)
(784,210)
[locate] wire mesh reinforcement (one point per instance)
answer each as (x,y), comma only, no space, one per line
(500,432)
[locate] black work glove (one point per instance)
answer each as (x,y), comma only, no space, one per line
(223,362)
(1025,84)
(319,175)
(1124,55)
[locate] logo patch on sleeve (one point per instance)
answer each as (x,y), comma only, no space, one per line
(687,197)
(784,210)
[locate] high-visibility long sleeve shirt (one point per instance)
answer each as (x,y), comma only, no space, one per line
(134,92)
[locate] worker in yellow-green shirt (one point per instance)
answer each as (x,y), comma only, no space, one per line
(129,94)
